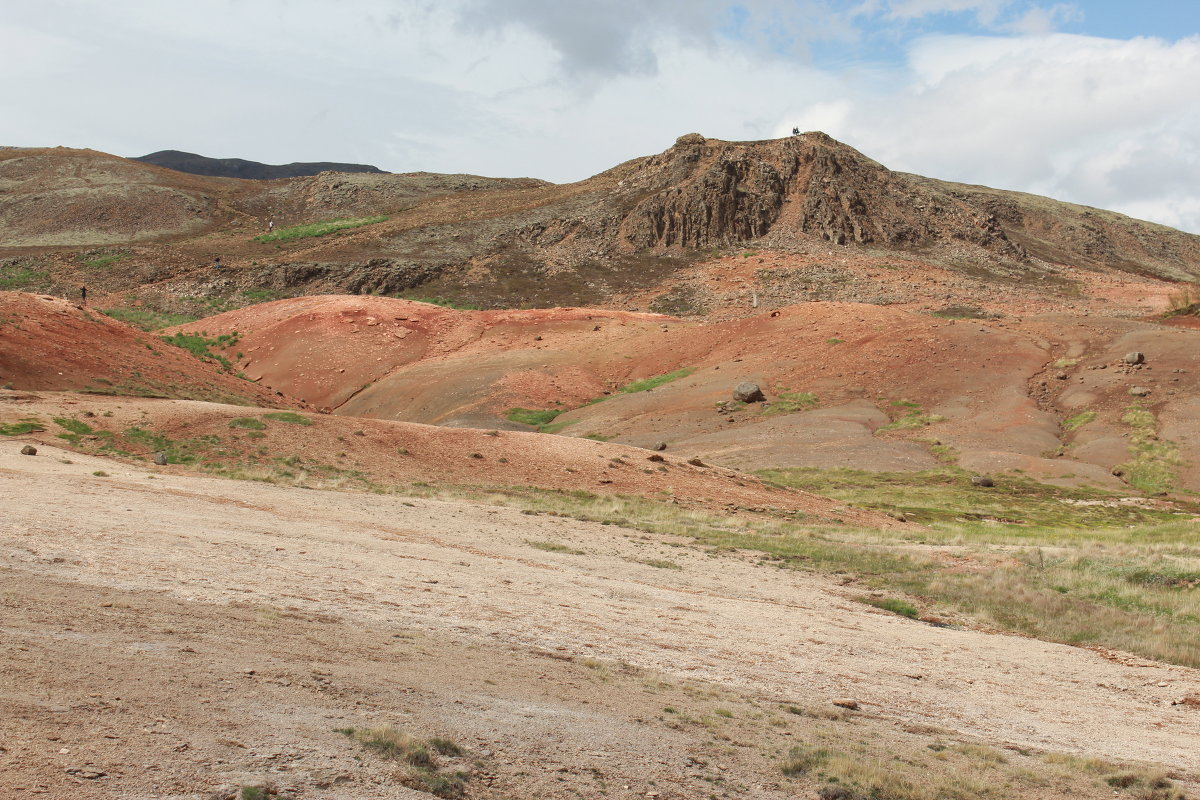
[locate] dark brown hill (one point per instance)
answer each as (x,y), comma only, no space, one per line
(623,237)
(241,168)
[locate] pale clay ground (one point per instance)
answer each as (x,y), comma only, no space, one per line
(465,571)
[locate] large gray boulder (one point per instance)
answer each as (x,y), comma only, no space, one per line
(748,392)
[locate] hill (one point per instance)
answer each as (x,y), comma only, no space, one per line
(241,168)
(641,235)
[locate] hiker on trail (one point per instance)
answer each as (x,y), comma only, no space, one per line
(270,226)
(83,295)
(217,263)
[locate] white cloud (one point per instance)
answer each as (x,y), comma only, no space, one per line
(1099,122)
(520,88)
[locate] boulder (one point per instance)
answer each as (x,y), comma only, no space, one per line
(659,446)
(1139,391)
(1134,358)
(748,392)
(160,458)
(29,450)
(982,480)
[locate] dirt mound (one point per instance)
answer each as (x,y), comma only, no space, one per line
(48,343)
(848,385)
(376,455)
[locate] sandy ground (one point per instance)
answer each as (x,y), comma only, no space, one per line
(231,626)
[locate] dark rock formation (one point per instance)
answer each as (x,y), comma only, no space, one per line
(240,168)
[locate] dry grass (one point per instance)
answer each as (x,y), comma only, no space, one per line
(421,757)
(1122,576)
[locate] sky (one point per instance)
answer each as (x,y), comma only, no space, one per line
(1091,101)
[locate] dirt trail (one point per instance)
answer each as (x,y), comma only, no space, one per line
(468,574)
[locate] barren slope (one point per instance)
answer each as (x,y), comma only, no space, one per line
(849,385)
(48,343)
(232,626)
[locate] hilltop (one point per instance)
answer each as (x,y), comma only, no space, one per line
(241,168)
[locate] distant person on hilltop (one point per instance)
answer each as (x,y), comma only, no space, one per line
(795,131)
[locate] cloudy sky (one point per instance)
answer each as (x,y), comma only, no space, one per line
(1093,101)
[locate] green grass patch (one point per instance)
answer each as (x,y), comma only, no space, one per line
(789,402)
(201,346)
(894,605)
(18,277)
(1154,462)
(555,547)
(529,416)
(22,428)
(653,383)
(249,423)
(147,319)
(912,418)
(317,229)
(1077,421)
(98,260)
(290,417)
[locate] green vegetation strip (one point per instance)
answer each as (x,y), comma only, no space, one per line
(147,319)
(317,229)
(1153,462)
(201,346)
(653,383)
(1067,565)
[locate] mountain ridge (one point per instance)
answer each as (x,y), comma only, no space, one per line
(195,164)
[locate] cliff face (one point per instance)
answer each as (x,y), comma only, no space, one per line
(720,193)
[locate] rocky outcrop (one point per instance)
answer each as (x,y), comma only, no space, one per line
(721,193)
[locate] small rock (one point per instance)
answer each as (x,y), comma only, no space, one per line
(160,459)
(748,392)
(89,774)
(846,702)
(655,457)
(1134,358)
(1139,391)
(695,462)
(659,446)
(29,450)
(982,480)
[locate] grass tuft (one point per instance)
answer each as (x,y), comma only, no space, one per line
(289,417)
(647,384)
(317,229)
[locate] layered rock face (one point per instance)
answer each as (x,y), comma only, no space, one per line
(719,193)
